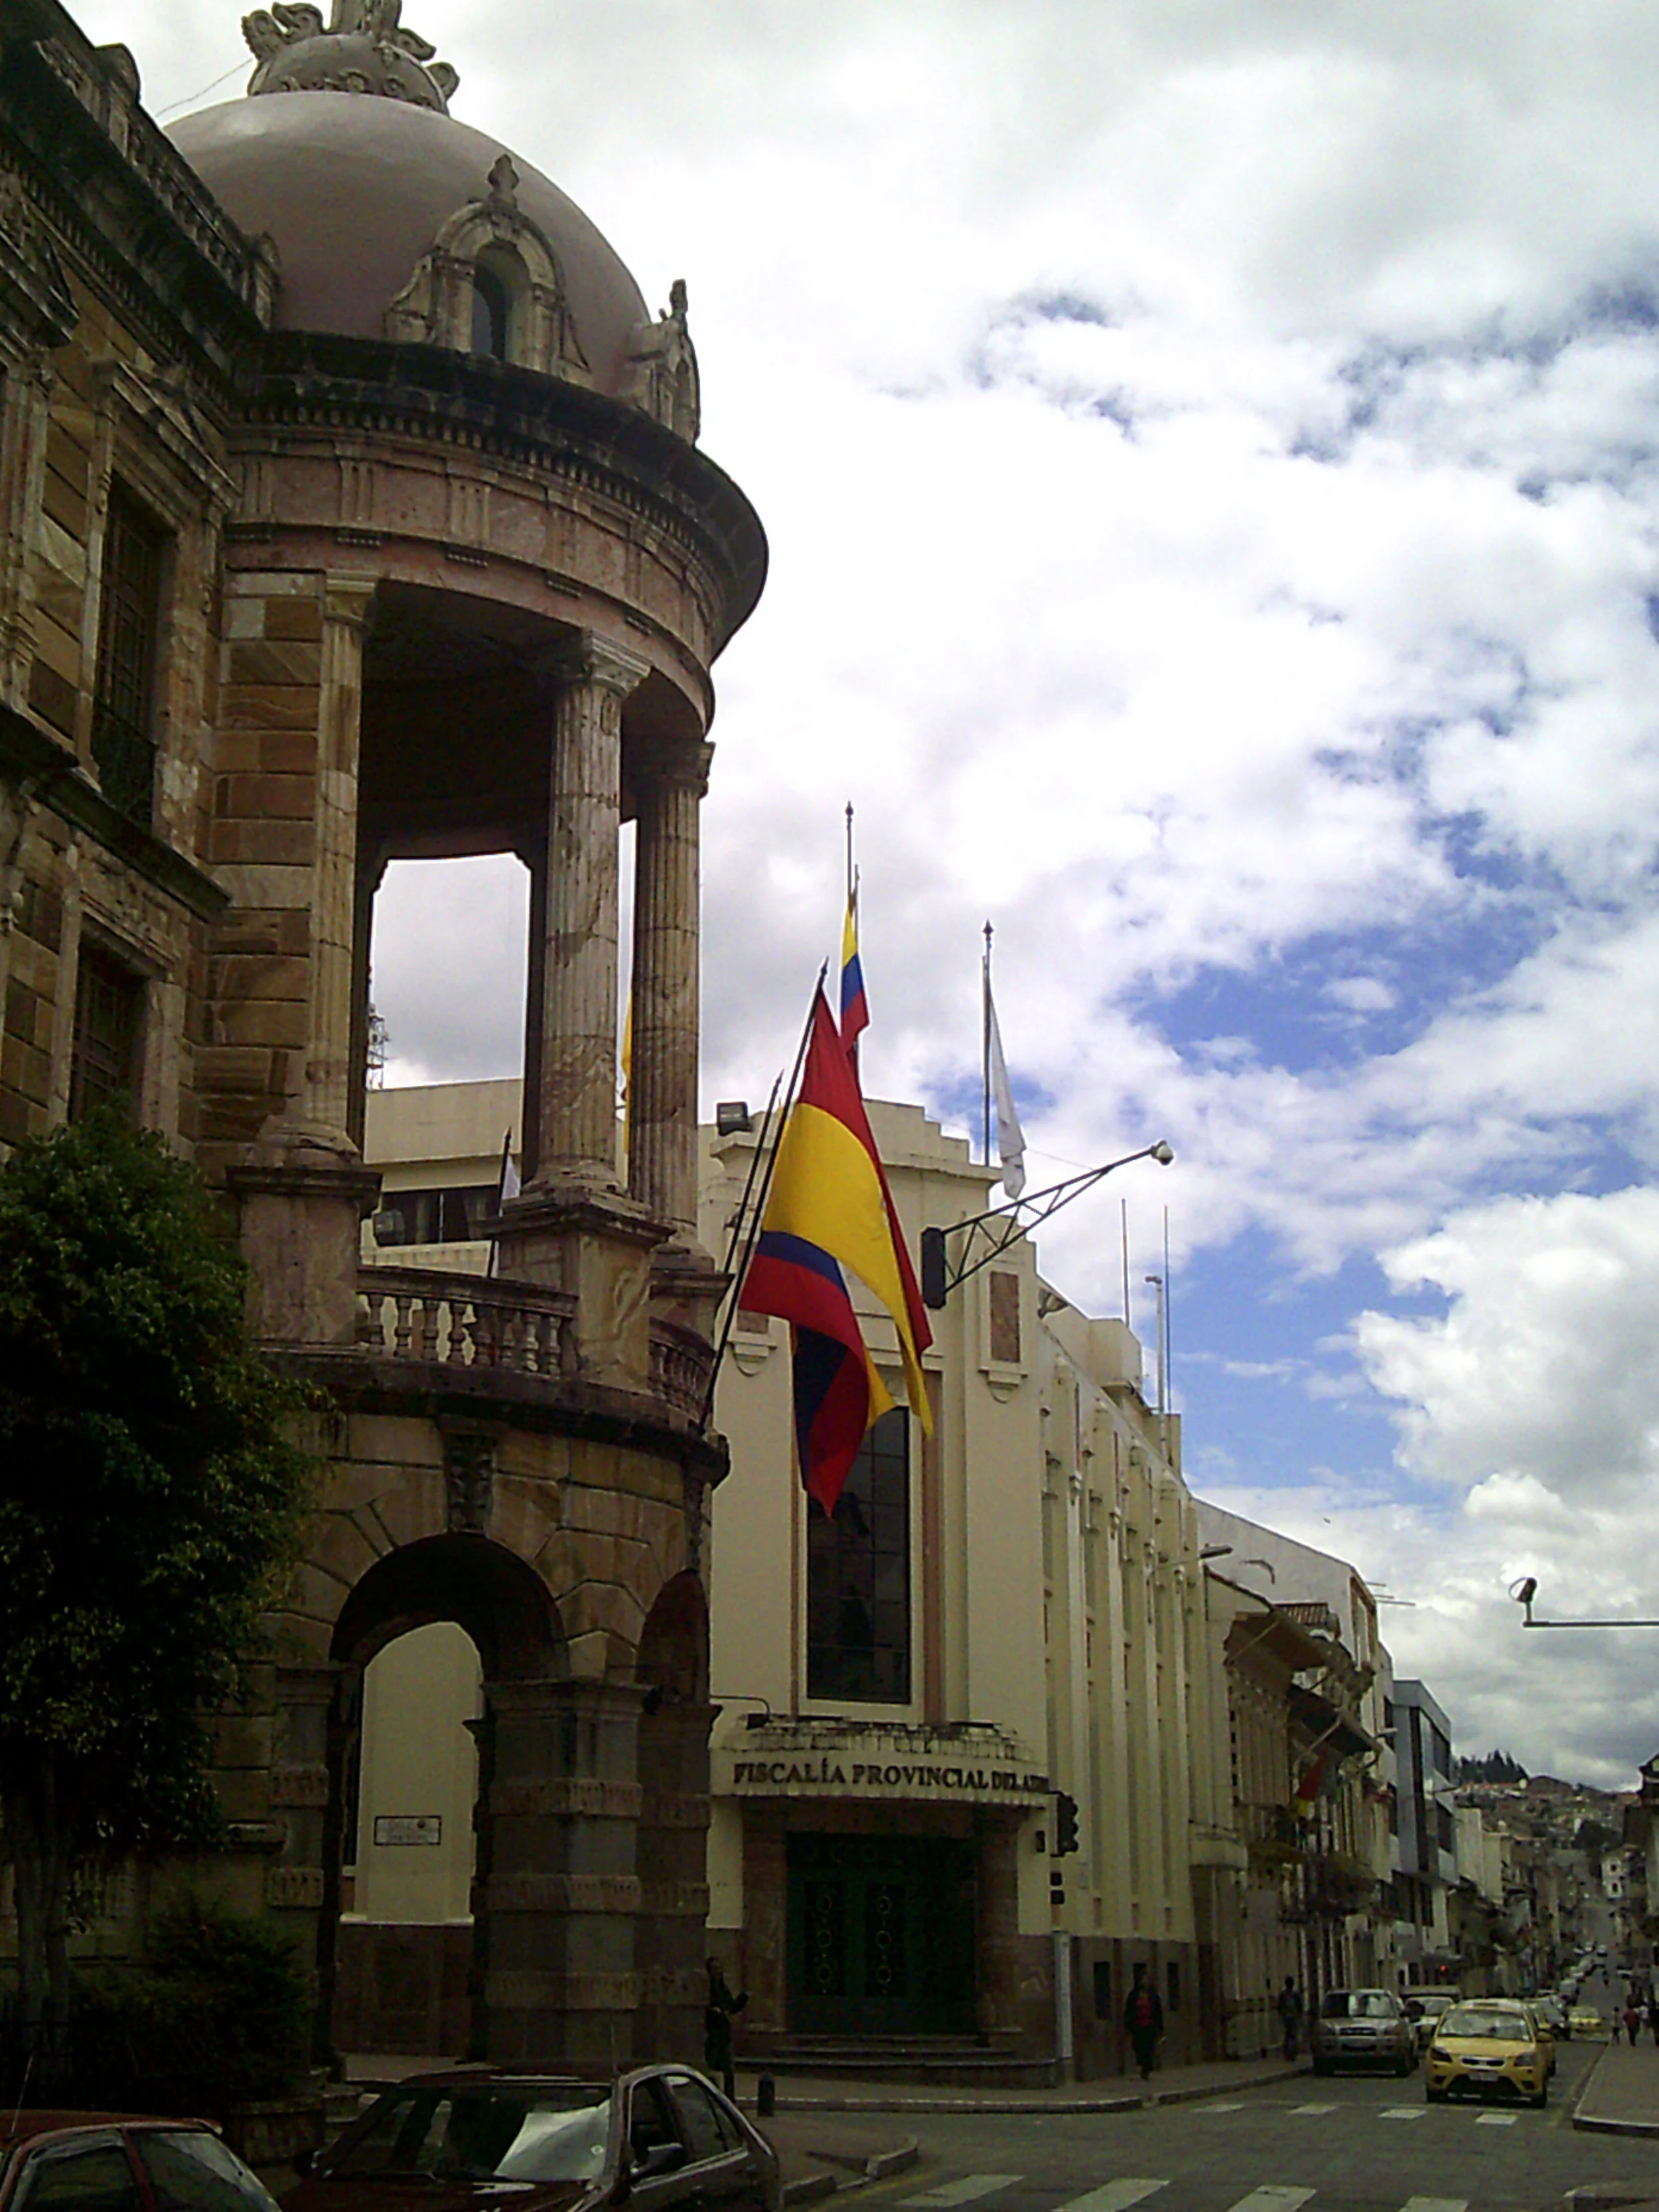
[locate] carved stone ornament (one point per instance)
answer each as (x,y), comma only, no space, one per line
(662,369)
(468,1481)
(362,50)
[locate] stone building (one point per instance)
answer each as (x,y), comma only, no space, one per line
(353,512)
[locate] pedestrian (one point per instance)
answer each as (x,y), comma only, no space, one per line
(1632,2019)
(1653,2015)
(1289,2016)
(1143,2023)
(717,2016)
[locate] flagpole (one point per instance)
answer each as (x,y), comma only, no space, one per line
(985,1045)
(851,877)
(759,1214)
(739,1220)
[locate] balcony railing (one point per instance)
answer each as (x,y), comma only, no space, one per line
(462,1321)
(473,1322)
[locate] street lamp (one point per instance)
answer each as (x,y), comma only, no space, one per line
(1526,1589)
(938,1280)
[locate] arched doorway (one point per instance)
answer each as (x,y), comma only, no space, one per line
(425,1637)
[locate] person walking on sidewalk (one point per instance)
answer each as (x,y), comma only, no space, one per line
(1143,2023)
(1632,2019)
(1653,2014)
(1289,2015)
(717,2016)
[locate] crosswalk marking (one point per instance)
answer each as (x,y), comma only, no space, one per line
(1401,2112)
(1496,2119)
(1436,2204)
(1113,2197)
(1273,2196)
(1221,2108)
(1312,2108)
(966,2191)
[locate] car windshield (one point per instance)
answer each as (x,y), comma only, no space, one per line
(491,2133)
(1434,2004)
(1358,2004)
(1494,2027)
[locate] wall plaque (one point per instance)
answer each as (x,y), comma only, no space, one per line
(409,1828)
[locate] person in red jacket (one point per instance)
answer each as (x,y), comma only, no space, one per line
(1143,2023)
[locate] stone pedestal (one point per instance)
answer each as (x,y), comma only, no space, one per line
(300,1235)
(596,1247)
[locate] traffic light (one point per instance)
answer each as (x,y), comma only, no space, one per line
(1065,1825)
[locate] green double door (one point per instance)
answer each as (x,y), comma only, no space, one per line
(881,1936)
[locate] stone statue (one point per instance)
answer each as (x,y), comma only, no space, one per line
(363,49)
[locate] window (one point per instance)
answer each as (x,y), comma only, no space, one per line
(85,2176)
(858,1575)
(492,312)
(1173,1972)
(109,1004)
(1103,1989)
(129,636)
(435,1217)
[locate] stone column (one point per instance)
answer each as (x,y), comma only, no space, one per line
(25,385)
(534,857)
(557,1903)
(323,1108)
(663,1087)
(673,1870)
(577,1108)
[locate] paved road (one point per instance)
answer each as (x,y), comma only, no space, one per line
(1356,2143)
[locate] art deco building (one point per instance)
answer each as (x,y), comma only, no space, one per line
(353,512)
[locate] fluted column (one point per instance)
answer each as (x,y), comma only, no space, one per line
(577,1105)
(663,1086)
(324,1103)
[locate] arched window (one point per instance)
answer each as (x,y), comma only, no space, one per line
(492,312)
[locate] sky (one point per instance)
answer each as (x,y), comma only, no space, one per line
(1210,453)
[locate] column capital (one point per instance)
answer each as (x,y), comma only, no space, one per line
(346,596)
(683,762)
(586,657)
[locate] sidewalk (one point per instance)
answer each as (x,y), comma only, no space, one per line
(1621,2097)
(1171,2084)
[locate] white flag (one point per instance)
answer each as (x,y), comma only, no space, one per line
(1011,1138)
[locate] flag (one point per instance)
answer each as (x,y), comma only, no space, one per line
(855,1007)
(830,1208)
(1011,1138)
(507,1185)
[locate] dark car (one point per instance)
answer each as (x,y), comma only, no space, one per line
(659,2137)
(1362,2027)
(115,2162)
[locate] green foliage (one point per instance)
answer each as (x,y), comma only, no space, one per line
(218,2015)
(151,1498)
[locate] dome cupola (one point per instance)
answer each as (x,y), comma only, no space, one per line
(390,219)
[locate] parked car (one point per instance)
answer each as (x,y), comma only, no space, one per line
(79,2160)
(1587,2020)
(661,2136)
(1423,2008)
(1552,2014)
(1362,2027)
(1487,2051)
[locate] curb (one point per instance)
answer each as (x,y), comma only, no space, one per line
(808,2188)
(1124,2101)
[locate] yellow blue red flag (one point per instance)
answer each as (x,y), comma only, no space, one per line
(830,1208)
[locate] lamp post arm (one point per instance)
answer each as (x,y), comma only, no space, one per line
(998,1225)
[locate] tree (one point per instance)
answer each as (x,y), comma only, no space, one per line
(151,1505)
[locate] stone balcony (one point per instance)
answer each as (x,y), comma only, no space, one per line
(445,1344)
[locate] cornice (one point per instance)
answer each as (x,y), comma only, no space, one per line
(305,381)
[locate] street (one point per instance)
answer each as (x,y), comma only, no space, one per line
(1355,2142)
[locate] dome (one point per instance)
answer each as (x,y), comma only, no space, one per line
(354,191)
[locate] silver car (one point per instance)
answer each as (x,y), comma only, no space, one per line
(1362,2027)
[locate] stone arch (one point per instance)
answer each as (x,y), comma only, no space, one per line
(513,1621)
(671,1668)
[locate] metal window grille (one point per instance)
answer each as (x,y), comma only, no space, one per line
(129,637)
(109,1003)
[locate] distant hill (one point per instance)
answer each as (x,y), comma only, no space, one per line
(1495,1766)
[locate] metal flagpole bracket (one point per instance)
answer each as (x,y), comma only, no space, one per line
(996,1229)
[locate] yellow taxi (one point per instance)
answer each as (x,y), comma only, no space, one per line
(1488,2051)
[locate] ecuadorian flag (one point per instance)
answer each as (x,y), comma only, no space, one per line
(830,1209)
(855,1007)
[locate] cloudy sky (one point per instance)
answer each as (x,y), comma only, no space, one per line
(1208,448)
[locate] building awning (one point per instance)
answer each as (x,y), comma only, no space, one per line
(1327,1723)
